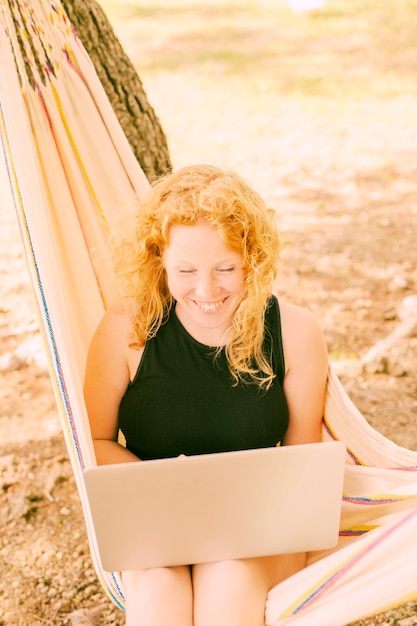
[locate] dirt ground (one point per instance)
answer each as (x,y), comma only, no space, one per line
(340,167)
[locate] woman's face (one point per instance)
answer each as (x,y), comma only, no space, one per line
(206,279)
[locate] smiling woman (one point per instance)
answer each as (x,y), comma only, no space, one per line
(202,358)
(232,223)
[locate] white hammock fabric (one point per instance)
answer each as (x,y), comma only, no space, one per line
(73,175)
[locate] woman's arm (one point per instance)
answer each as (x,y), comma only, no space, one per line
(106,379)
(306,363)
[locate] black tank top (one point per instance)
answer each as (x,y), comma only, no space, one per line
(182,399)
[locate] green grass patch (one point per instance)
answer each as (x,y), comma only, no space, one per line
(349,48)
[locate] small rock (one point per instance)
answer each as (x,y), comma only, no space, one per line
(85,617)
(6,460)
(10,362)
(65,511)
(31,351)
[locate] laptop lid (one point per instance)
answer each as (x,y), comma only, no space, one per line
(217,506)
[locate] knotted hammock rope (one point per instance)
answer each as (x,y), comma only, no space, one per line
(73,177)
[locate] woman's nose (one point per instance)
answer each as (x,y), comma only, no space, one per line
(207,286)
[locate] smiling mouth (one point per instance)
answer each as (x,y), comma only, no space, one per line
(208,307)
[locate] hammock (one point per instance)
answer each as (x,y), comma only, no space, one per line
(73,176)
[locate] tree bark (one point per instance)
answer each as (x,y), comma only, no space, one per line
(122,86)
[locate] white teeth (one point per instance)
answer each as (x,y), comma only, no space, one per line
(209,306)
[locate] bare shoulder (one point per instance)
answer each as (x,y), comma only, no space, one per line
(110,346)
(295,319)
(302,335)
(117,320)
(112,336)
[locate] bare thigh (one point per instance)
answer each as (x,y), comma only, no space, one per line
(158,597)
(233,593)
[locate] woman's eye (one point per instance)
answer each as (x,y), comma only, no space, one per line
(226,270)
(183,270)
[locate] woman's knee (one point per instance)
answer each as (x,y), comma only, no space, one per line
(158,579)
(229,592)
(235,592)
(146,590)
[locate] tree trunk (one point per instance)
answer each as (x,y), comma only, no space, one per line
(122,85)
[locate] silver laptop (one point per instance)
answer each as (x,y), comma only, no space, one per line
(217,506)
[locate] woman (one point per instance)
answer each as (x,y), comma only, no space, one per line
(202,358)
